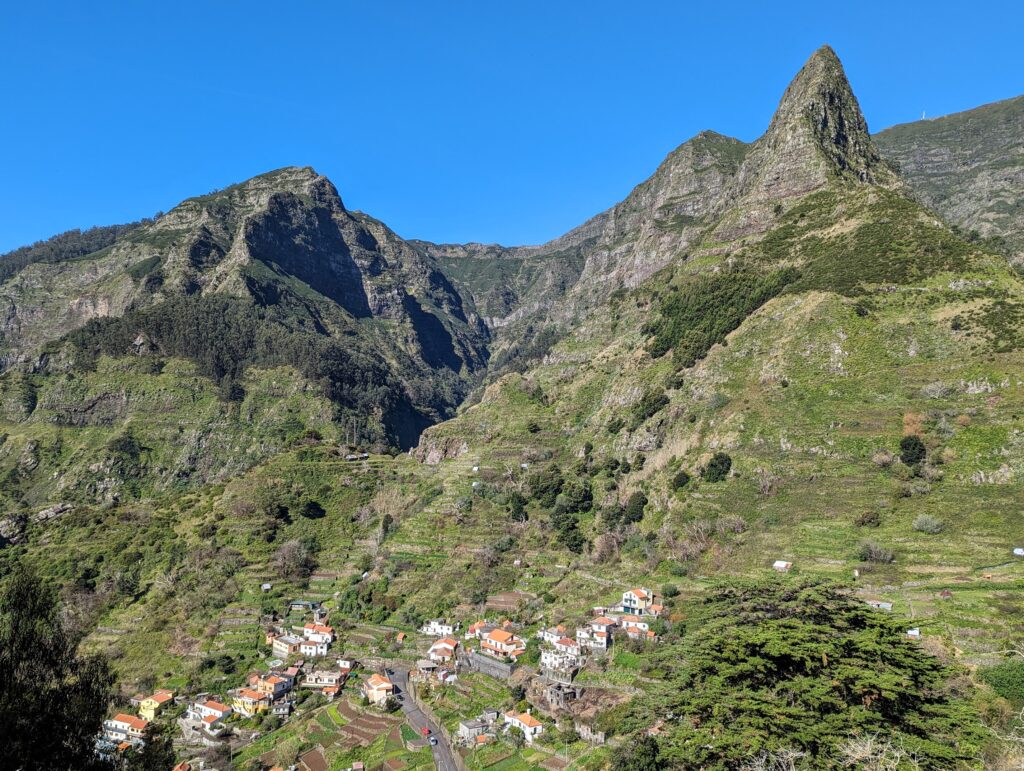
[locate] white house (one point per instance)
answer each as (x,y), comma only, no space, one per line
(443,649)
(782,566)
(588,637)
(313,648)
(525,722)
(502,645)
(438,627)
(637,600)
(125,728)
(323,678)
(318,633)
(209,708)
(914,634)
(567,646)
(552,633)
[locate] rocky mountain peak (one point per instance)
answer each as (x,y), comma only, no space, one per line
(817,135)
(819,110)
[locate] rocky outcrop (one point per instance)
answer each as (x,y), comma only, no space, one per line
(432,451)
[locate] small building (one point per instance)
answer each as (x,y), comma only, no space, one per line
(560,695)
(303,606)
(318,633)
(1019,551)
(470,729)
(438,627)
(443,649)
(324,678)
(552,633)
(914,634)
(588,733)
(503,645)
(266,587)
(782,566)
(153,705)
(479,629)
(880,604)
(377,688)
(637,600)
(313,648)
(286,645)
(125,728)
(525,722)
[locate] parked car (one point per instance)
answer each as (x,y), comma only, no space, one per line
(433,741)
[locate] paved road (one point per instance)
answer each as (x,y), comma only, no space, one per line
(443,759)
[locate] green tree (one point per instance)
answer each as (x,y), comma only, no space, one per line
(641,755)
(52,700)
(718,467)
(634,510)
(805,666)
(912,450)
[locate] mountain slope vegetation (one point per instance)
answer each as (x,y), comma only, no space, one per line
(768,351)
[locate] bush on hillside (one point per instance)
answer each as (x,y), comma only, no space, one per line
(925,523)
(717,468)
(912,450)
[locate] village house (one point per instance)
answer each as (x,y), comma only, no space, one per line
(303,606)
(479,629)
(273,686)
(567,646)
(125,728)
(249,702)
(558,666)
(318,633)
(552,633)
(286,645)
(313,648)
(525,722)
(637,628)
(203,709)
(438,627)
(470,729)
(324,678)
(781,566)
(503,645)
(443,649)
(637,601)
(153,705)
(377,688)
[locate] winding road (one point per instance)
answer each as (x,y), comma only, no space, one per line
(443,759)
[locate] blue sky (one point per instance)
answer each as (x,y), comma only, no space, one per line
(450,121)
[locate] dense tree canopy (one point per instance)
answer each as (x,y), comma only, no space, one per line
(803,668)
(52,700)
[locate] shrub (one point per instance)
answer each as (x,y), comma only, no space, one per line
(717,468)
(650,403)
(680,480)
(615,425)
(912,450)
(670,590)
(868,519)
(870,551)
(925,523)
(634,510)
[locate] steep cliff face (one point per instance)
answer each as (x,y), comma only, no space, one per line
(711,196)
(968,167)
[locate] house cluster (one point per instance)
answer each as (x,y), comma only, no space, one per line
(313,641)
(498,642)
(206,717)
(635,615)
(124,730)
(488,724)
(274,691)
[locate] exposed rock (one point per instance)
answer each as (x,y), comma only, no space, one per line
(433,451)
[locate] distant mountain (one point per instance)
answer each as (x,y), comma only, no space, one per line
(271,271)
(969,167)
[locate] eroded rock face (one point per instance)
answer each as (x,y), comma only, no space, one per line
(433,451)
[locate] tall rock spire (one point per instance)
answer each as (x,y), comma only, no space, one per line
(818,135)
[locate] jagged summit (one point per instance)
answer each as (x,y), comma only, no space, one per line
(817,135)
